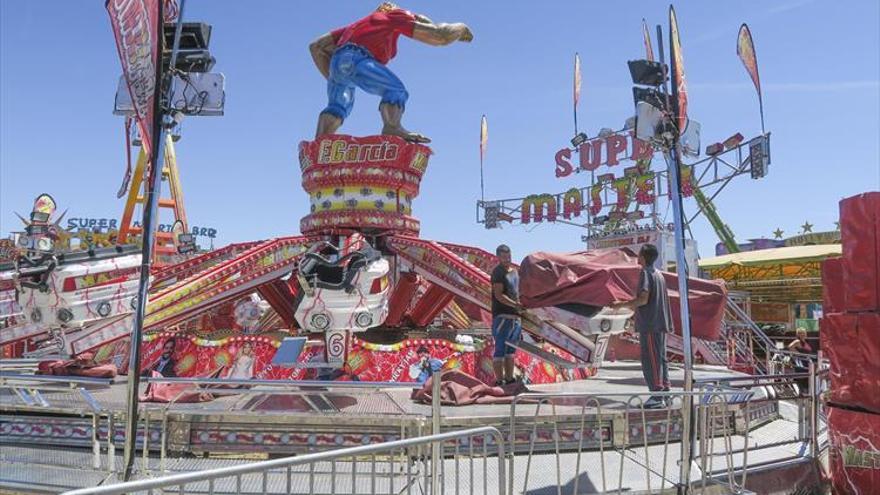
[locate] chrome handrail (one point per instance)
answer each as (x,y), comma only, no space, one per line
(45,379)
(262,467)
(281,383)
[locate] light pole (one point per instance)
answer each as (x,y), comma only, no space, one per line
(153,186)
(672,154)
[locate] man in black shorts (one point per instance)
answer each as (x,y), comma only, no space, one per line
(506,324)
(651,306)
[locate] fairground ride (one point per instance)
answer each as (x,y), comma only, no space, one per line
(358,266)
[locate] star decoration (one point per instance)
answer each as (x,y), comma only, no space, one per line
(777,234)
(807,226)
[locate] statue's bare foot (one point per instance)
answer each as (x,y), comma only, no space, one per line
(413,137)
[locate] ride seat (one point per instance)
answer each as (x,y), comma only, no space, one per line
(321,272)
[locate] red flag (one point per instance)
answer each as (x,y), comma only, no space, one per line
(679,82)
(745,48)
(135,25)
(484,138)
(577,79)
(649,50)
(170,11)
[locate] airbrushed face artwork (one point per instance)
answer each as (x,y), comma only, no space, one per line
(412,360)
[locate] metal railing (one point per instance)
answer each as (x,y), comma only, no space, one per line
(800,390)
(746,341)
(628,443)
(401,466)
(581,435)
(248,398)
(38,392)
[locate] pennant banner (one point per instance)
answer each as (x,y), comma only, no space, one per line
(135,25)
(577,80)
(649,49)
(170,11)
(484,138)
(745,48)
(679,82)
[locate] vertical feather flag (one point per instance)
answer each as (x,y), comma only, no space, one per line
(745,48)
(679,82)
(649,50)
(577,79)
(484,137)
(484,142)
(577,88)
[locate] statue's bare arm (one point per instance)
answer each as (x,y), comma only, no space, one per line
(440,34)
(322,50)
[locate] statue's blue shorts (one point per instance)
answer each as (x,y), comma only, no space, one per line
(353,66)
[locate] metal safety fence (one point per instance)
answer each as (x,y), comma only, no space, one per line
(402,466)
(554,442)
(611,443)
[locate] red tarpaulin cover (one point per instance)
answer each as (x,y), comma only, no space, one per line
(855,451)
(860,236)
(82,365)
(832,286)
(460,389)
(852,343)
(602,277)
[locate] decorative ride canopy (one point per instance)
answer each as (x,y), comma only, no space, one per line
(366,184)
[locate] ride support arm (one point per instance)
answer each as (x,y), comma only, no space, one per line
(322,50)
(440,34)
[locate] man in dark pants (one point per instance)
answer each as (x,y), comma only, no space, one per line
(506,324)
(651,306)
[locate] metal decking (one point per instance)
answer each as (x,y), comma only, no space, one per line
(52,447)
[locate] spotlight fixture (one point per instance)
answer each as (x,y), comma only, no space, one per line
(579,139)
(647,73)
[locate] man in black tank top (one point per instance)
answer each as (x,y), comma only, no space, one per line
(506,324)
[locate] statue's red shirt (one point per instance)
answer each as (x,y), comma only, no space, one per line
(378,33)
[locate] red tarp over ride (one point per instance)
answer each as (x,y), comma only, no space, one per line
(601,277)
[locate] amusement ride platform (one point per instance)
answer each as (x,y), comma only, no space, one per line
(58,440)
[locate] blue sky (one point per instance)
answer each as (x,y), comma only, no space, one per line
(819,63)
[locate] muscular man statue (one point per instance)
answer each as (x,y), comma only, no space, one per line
(355,56)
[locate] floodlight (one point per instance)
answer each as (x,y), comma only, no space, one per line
(650,96)
(649,120)
(193,35)
(733,141)
(646,72)
(690,139)
(714,149)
